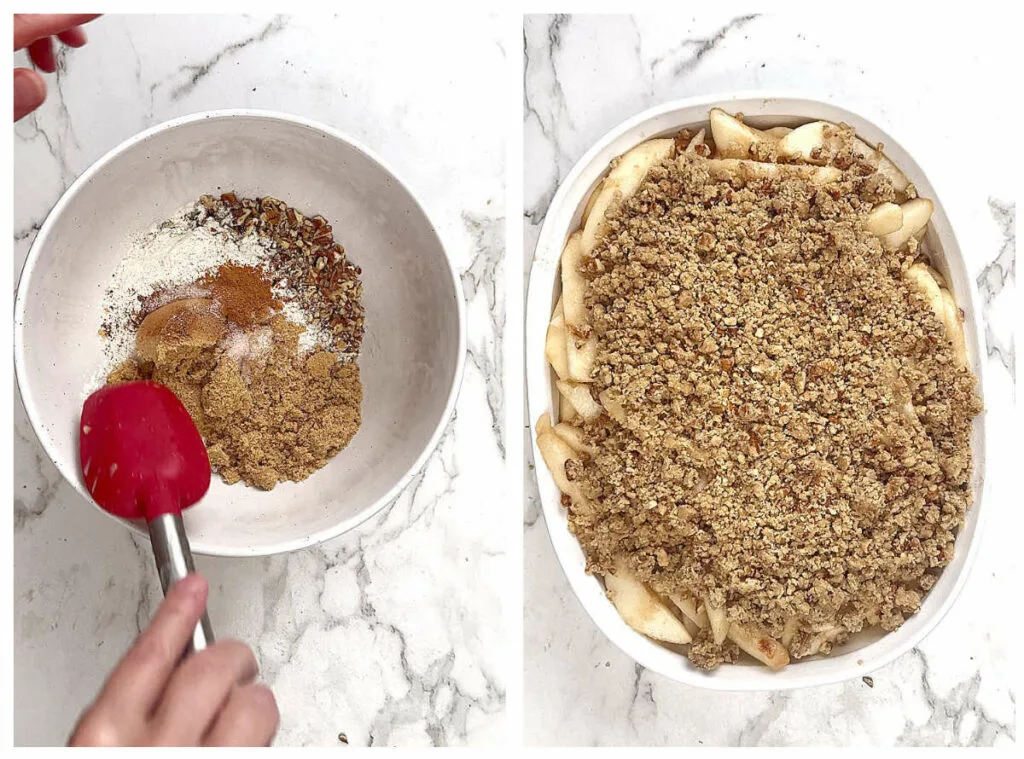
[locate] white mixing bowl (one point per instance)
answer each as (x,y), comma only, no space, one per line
(412,355)
(866,651)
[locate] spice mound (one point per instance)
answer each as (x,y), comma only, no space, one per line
(248,325)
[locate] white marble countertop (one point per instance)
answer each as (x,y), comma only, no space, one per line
(931,89)
(387,634)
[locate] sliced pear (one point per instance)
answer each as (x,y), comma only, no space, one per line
(574,437)
(890,171)
(698,139)
(817,643)
(555,346)
(691,627)
(762,647)
(882,164)
(778,132)
(727,168)
(954,327)
(733,138)
(622,183)
(581,399)
(574,284)
(543,425)
(566,411)
(884,219)
(589,207)
(922,282)
(803,141)
(590,232)
(556,454)
(582,355)
(642,609)
(613,405)
(916,214)
(719,624)
(789,631)
(632,167)
(691,611)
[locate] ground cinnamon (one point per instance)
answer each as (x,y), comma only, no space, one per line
(242,294)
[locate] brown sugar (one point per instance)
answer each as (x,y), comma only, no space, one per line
(765,349)
(179,327)
(282,422)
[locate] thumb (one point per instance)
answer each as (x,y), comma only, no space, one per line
(29,92)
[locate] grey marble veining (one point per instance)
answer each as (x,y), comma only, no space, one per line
(484,276)
(585,74)
(394,633)
(185,79)
(689,53)
(995,276)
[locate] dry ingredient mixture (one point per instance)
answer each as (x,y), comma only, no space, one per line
(306,263)
(251,314)
(764,348)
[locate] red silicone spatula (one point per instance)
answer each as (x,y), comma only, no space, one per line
(143,458)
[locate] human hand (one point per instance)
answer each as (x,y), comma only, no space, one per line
(36,32)
(156,698)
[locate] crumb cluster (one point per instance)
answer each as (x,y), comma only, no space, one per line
(796,441)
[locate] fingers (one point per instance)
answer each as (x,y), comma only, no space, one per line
(156,698)
(36,31)
(41,53)
(138,681)
(199,689)
(29,92)
(29,27)
(73,37)
(249,718)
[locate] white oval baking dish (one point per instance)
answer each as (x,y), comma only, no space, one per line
(868,650)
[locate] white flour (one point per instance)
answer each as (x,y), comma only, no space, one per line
(314,332)
(171,256)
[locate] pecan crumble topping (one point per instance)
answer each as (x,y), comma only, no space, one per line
(797,430)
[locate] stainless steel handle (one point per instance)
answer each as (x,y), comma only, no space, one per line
(173,562)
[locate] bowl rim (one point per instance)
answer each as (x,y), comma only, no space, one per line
(28,398)
(558,223)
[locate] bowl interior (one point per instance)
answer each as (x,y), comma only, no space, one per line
(411,352)
(865,651)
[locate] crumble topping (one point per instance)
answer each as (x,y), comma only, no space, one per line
(797,431)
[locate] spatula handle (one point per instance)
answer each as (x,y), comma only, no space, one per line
(173,562)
